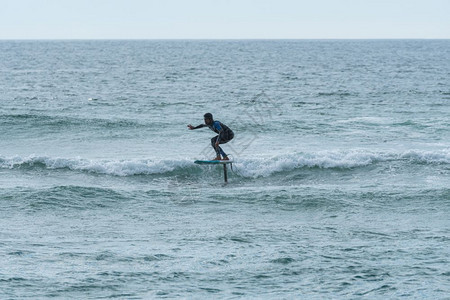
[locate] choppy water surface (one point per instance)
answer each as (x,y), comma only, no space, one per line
(340,186)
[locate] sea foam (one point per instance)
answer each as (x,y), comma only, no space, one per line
(108,167)
(247,167)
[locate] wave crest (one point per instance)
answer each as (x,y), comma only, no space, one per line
(248,167)
(108,167)
(343,159)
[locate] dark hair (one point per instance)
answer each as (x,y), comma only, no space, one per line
(208,116)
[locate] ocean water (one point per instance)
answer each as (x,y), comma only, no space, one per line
(340,185)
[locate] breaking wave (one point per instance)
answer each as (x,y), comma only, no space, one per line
(248,167)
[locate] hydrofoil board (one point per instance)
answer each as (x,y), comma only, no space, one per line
(213,162)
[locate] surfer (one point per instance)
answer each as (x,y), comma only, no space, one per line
(225,134)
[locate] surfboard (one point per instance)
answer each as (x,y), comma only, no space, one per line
(224,163)
(213,162)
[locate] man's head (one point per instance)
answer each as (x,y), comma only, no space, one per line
(208,118)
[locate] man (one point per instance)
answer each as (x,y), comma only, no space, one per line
(225,134)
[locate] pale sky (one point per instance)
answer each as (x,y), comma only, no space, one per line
(221,19)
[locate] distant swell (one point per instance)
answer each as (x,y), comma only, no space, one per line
(37,120)
(248,167)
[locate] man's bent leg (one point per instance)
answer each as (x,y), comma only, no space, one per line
(213,144)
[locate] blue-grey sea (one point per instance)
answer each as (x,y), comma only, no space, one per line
(340,187)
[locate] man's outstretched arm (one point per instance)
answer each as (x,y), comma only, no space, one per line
(196,127)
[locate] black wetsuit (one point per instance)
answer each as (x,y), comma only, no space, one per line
(225,134)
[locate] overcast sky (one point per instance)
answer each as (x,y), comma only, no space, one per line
(221,19)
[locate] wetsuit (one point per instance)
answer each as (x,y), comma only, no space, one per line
(225,134)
